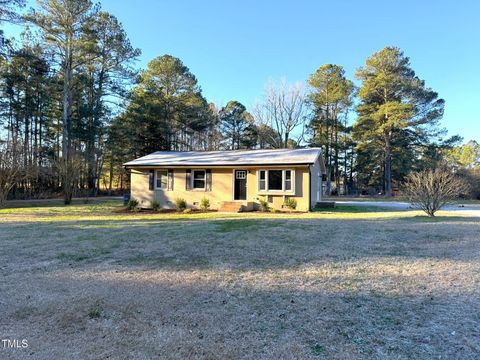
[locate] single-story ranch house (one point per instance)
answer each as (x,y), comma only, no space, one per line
(231,180)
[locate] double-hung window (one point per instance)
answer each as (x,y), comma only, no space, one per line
(262,183)
(288,180)
(199,179)
(161,179)
(275,180)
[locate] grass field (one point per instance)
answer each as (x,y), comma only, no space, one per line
(88,281)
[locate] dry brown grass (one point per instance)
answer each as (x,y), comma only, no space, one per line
(311,286)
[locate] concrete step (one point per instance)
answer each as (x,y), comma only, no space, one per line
(235,206)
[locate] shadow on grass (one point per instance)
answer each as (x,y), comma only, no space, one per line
(223,315)
(441,219)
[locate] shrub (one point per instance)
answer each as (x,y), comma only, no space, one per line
(181,204)
(430,190)
(187,211)
(132,204)
(155,205)
(205,204)
(263,204)
(290,203)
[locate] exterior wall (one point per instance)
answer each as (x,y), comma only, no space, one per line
(139,187)
(316,183)
(222,188)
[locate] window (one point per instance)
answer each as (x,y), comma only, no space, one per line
(199,179)
(288,180)
(162,179)
(275,180)
(261,180)
(241,174)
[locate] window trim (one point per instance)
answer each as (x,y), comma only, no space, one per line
(155,182)
(264,179)
(204,180)
(233,182)
(283,191)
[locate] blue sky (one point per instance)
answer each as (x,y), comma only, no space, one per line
(234,48)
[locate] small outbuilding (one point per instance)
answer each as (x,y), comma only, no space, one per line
(231,180)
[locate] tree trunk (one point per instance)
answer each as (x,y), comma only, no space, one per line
(388,165)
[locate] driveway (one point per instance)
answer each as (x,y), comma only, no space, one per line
(467,209)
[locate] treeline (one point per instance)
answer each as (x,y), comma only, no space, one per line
(73,109)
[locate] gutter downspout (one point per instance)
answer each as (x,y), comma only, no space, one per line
(309,187)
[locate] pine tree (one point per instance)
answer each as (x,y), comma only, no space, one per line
(393,99)
(331,98)
(235,121)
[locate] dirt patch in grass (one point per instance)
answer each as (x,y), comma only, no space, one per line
(241,286)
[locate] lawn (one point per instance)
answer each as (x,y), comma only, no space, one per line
(89,281)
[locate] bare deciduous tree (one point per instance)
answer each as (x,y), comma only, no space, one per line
(283,109)
(430,190)
(69,170)
(11,170)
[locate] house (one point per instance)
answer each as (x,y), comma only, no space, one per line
(231,180)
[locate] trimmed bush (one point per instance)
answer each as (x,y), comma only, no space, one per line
(290,203)
(181,204)
(263,204)
(132,204)
(205,204)
(155,205)
(187,211)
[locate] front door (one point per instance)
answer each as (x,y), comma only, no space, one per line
(240,185)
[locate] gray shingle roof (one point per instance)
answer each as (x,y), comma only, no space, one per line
(225,158)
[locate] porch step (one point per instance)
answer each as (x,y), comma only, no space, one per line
(235,206)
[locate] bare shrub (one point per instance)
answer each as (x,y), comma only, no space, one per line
(11,170)
(69,173)
(430,190)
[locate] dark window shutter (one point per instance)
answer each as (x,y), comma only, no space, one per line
(170,179)
(151,179)
(208,185)
(188,179)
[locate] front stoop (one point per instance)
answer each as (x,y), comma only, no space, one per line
(236,206)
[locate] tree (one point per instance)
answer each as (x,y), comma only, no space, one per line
(331,97)
(62,27)
(166,109)
(465,156)
(11,169)
(283,110)
(234,123)
(393,98)
(9,8)
(430,190)
(267,137)
(8,13)
(106,78)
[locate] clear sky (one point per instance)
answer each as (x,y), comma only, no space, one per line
(234,47)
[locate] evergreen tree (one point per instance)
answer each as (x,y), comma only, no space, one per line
(331,97)
(235,121)
(393,99)
(166,109)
